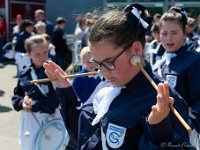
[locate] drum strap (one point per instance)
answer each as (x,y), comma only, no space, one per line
(103,139)
(34,77)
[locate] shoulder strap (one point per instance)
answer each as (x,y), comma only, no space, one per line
(34,77)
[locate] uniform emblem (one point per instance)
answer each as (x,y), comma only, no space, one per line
(171,79)
(115,135)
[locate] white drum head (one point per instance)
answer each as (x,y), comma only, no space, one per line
(53,136)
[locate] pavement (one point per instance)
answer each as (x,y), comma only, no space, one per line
(9,118)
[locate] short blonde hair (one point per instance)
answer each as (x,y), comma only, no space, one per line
(39,24)
(32,40)
(84,52)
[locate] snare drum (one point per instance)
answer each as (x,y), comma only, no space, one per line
(53,136)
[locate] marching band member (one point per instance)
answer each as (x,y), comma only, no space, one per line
(39,99)
(129,114)
(180,64)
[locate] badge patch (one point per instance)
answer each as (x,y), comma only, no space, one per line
(115,135)
(171,79)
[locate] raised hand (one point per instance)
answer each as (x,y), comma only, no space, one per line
(53,71)
(161,110)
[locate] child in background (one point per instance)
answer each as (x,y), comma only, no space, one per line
(180,64)
(84,86)
(39,99)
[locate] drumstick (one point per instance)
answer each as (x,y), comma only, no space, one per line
(67,76)
(174,111)
(41,127)
(27,133)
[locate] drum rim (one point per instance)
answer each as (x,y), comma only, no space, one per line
(65,137)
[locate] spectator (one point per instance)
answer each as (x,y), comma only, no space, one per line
(155,46)
(16,29)
(40,27)
(40,16)
(2,38)
(190,29)
(51,47)
(2,30)
(84,86)
(156,17)
(63,55)
(21,57)
(89,21)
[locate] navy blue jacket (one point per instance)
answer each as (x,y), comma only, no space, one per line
(41,103)
(183,75)
(84,86)
(21,40)
(126,118)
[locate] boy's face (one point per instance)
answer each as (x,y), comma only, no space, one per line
(29,29)
(39,54)
(41,30)
(62,25)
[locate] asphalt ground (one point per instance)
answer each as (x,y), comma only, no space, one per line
(9,118)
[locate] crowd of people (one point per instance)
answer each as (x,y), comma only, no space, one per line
(118,108)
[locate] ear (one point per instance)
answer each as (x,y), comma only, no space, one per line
(137,48)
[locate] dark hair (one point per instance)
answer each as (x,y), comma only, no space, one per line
(39,11)
(122,28)
(47,37)
(60,20)
(155,28)
(175,14)
(26,23)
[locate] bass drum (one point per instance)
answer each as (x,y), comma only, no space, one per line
(53,136)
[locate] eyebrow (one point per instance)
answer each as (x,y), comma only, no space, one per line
(106,59)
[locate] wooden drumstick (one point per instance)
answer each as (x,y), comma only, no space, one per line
(27,131)
(41,127)
(136,61)
(68,76)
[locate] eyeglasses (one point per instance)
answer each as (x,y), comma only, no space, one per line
(107,63)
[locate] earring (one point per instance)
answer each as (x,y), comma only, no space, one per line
(134,60)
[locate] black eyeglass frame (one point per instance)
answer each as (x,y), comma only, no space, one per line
(98,65)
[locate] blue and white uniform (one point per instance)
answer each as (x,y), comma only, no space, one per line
(44,105)
(123,125)
(181,70)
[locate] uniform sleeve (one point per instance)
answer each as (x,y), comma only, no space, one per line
(69,112)
(17,99)
(77,87)
(47,104)
(20,43)
(194,95)
(168,134)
